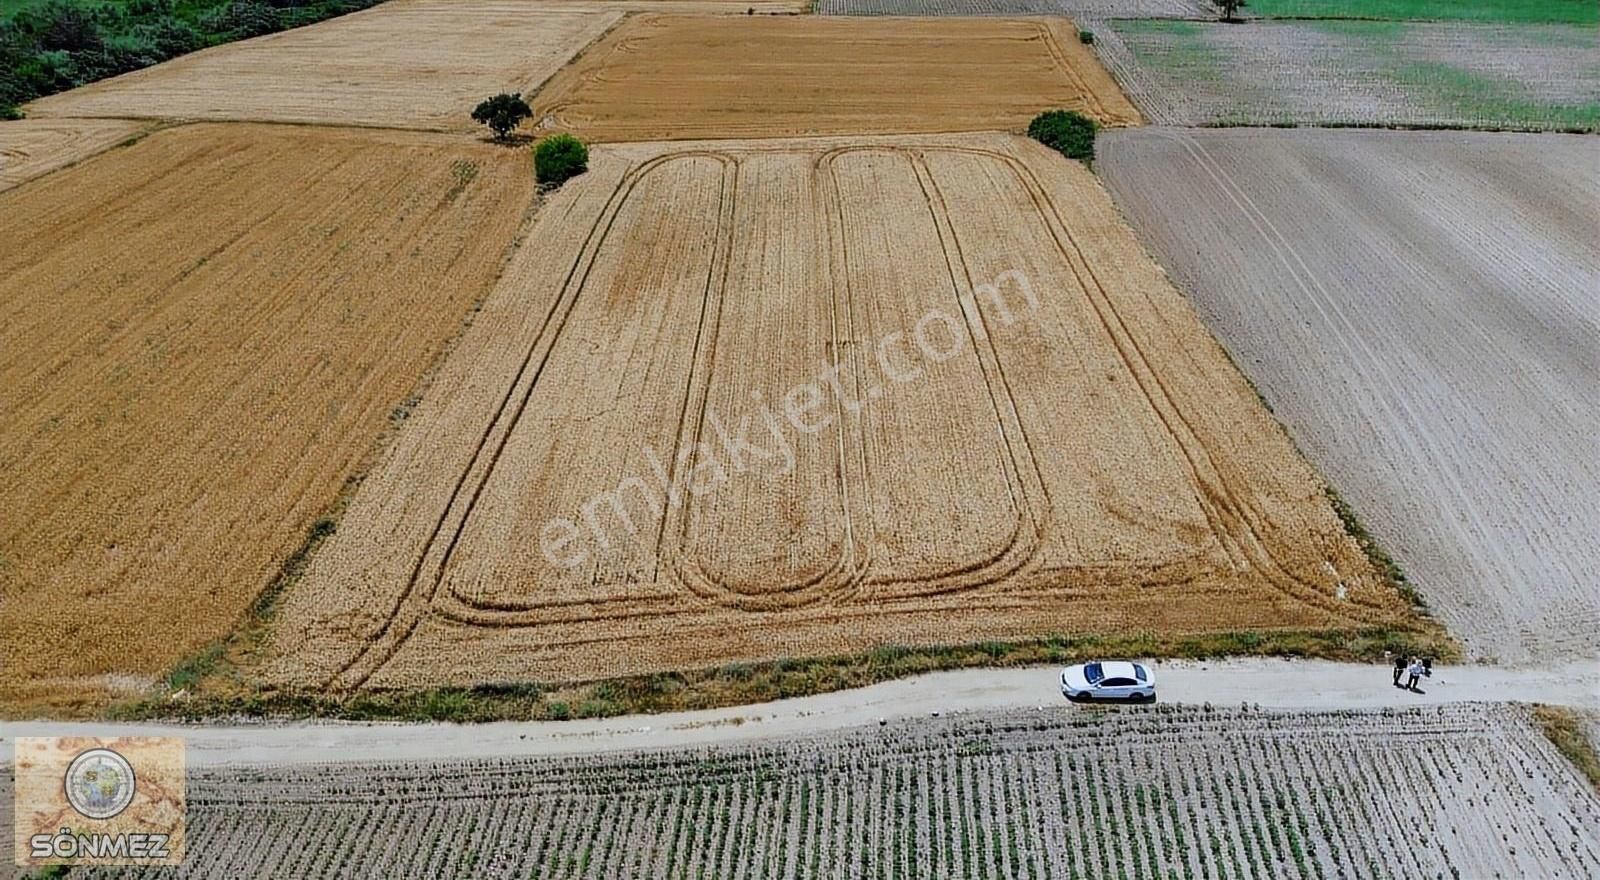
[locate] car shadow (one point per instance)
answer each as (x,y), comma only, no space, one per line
(1113,701)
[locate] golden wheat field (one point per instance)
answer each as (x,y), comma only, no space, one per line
(671,77)
(788,398)
(201,337)
(33,147)
(404,64)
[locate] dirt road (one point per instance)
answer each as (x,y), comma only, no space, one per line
(1269,683)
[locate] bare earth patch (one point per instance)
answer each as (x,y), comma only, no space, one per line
(1087,463)
(678,77)
(1468,790)
(201,337)
(405,64)
(1420,311)
(32,147)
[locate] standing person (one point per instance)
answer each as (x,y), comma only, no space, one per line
(1399,667)
(1413,674)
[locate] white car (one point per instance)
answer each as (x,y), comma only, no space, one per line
(1109,680)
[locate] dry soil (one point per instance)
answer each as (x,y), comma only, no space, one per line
(1420,311)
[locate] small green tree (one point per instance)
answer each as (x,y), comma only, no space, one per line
(1068,133)
(558,158)
(1230,9)
(502,113)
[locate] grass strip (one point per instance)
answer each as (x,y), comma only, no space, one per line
(745,683)
(1564,729)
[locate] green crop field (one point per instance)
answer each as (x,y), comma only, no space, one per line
(1500,11)
(1365,73)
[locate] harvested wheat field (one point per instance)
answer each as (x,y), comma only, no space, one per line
(752,400)
(33,147)
(201,336)
(672,77)
(404,64)
(697,7)
(1420,310)
(1469,791)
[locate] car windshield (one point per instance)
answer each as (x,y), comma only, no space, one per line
(1093,673)
(1138,672)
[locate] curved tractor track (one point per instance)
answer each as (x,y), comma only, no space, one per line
(1073,452)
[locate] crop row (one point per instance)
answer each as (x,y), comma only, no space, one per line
(1168,793)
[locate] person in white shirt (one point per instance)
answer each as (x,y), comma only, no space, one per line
(1413,674)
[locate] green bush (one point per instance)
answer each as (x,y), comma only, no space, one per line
(1086,37)
(169,38)
(1068,133)
(242,19)
(558,158)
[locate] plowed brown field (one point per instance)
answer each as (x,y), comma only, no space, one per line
(672,77)
(410,64)
(1407,263)
(1088,463)
(31,147)
(201,336)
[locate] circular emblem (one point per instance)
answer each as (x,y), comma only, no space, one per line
(99,783)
